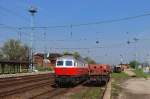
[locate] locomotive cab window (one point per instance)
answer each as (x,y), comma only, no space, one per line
(60,63)
(68,63)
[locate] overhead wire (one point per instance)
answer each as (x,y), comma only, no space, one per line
(87,24)
(86,48)
(78,25)
(13,13)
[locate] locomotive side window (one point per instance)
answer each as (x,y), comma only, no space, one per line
(60,63)
(74,64)
(68,63)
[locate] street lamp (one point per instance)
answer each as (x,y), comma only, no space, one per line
(32,10)
(97,42)
(136,40)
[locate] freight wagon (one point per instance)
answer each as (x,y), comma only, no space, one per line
(99,72)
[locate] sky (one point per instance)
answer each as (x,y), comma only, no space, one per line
(112,36)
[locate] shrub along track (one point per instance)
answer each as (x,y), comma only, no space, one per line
(101,91)
(13,87)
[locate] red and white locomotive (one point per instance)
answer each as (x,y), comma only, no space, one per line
(70,69)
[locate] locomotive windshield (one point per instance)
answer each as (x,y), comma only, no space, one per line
(68,63)
(60,63)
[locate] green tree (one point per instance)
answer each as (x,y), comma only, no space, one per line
(67,53)
(134,63)
(76,54)
(1,55)
(89,60)
(15,50)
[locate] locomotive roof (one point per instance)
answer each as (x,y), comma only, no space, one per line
(72,57)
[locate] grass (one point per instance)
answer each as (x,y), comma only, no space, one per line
(89,93)
(139,73)
(95,92)
(121,75)
(116,89)
(117,78)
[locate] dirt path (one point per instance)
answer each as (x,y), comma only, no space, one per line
(130,72)
(137,88)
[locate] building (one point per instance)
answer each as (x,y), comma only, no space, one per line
(125,66)
(8,67)
(49,61)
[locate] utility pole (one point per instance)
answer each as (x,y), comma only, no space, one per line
(71,31)
(45,55)
(32,10)
(136,40)
(121,59)
(19,34)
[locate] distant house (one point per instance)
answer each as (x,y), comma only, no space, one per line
(49,61)
(38,59)
(125,66)
(146,67)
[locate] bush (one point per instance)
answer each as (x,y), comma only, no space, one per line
(41,68)
(140,73)
(49,69)
(134,64)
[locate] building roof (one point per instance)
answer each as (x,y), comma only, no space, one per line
(51,55)
(13,62)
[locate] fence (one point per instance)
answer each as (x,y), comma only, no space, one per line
(8,67)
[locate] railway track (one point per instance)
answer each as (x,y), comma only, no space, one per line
(52,93)
(14,86)
(30,87)
(2,80)
(61,93)
(34,87)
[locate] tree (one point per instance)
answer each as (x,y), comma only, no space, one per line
(67,53)
(134,63)
(15,50)
(89,60)
(76,54)
(1,55)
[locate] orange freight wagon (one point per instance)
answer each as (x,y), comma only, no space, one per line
(99,72)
